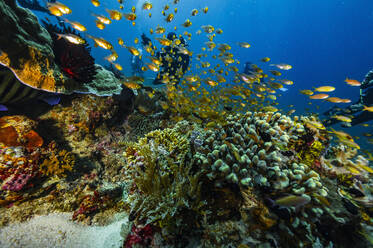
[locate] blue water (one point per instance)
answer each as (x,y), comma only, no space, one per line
(324,41)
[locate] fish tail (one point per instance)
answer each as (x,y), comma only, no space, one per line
(59,36)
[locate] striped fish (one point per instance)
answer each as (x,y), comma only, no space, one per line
(12,91)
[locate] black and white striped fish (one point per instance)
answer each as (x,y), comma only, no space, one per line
(12,91)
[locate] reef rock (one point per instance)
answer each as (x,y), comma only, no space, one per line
(26,49)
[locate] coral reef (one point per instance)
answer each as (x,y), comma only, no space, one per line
(255,179)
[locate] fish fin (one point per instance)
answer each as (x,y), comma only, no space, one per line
(3,108)
(59,36)
(51,99)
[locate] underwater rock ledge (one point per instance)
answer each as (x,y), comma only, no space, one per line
(26,49)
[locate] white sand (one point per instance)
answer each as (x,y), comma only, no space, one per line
(56,230)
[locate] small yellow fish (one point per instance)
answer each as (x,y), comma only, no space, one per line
(208,29)
(55,11)
(133,50)
(269,109)
(287,82)
(219,31)
(352,82)
(60,6)
(101,42)
(112,57)
(275,73)
(170,17)
(132,85)
(211,82)
(136,40)
(72,38)
(325,89)
(265,59)
(160,30)
(95,3)
(118,67)
(306,92)
(76,25)
(187,23)
(370,109)
(282,66)
(164,41)
(114,14)
(120,41)
(153,67)
(100,25)
(147,6)
(130,16)
(103,19)
(244,44)
(194,12)
(205,9)
(342,118)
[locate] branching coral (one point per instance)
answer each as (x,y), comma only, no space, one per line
(57,163)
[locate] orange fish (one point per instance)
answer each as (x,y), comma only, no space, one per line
(319,96)
(334,99)
(345,100)
(352,82)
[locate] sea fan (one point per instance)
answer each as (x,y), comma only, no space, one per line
(75,60)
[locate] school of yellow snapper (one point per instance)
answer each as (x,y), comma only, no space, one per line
(206,93)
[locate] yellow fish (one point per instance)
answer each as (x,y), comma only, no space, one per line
(76,25)
(147,6)
(100,25)
(164,41)
(101,42)
(72,38)
(325,89)
(285,67)
(103,19)
(114,14)
(95,3)
(133,50)
(130,16)
(370,109)
(194,12)
(60,6)
(342,118)
(244,44)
